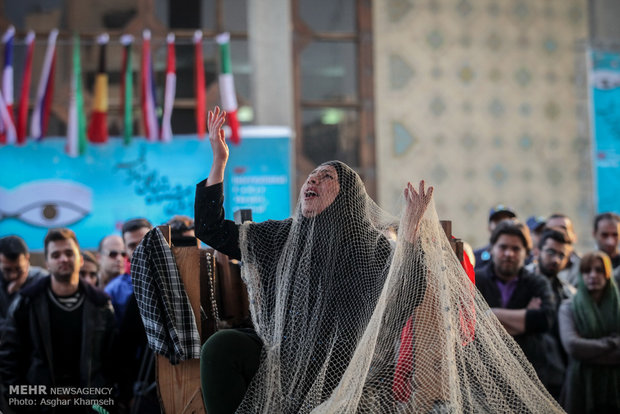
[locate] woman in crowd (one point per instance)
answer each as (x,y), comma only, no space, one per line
(89,271)
(590,333)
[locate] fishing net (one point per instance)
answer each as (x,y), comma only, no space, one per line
(360,312)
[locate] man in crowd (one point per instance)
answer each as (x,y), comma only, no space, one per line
(522,301)
(570,272)
(606,229)
(111,255)
(554,248)
(132,347)
(15,270)
(120,288)
(497,214)
(60,329)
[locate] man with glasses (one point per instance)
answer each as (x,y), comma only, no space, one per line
(133,350)
(114,280)
(120,288)
(554,250)
(111,256)
(15,271)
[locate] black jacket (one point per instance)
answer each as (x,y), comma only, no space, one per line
(26,343)
(537,341)
(34,274)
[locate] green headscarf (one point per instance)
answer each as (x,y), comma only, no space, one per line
(595,387)
(594,320)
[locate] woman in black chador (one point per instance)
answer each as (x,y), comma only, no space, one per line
(313,282)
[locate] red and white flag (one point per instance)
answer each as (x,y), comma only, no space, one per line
(199,85)
(24,95)
(171,82)
(148,90)
(7,132)
(45,91)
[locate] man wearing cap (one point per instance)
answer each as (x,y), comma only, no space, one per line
(522,301)
(15,271)
(497,214)
(536,224)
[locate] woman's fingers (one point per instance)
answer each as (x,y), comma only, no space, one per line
(430,192)
(410,191)
(215,120)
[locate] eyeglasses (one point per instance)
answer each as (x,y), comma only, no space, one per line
(180,226)
(113,254)
(554,253)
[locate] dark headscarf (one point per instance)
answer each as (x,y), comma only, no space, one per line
(315,277)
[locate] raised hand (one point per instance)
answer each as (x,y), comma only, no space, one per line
(215,121)
(417,203)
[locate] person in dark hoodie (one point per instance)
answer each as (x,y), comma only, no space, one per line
(15,271)
(60,329)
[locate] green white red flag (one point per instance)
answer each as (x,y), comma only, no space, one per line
(228,95)
(76,126)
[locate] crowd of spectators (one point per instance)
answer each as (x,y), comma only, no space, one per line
(562,308)
(75,324)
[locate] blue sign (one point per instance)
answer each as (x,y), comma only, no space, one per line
(41,187)
(605,84)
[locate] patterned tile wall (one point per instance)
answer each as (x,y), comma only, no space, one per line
(484,99)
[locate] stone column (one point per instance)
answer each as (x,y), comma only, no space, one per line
(271,57)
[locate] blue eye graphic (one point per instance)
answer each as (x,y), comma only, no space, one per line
(47,203)
(606,79)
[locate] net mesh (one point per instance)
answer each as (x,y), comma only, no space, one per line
(354,320)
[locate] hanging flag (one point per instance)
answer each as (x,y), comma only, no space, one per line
(24,96)
(8,133)
(199,84)
(171,82)
(76,126)
(227,86)
(98,127)
(127,89)
(8,127)
(148,89)
(43,105)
